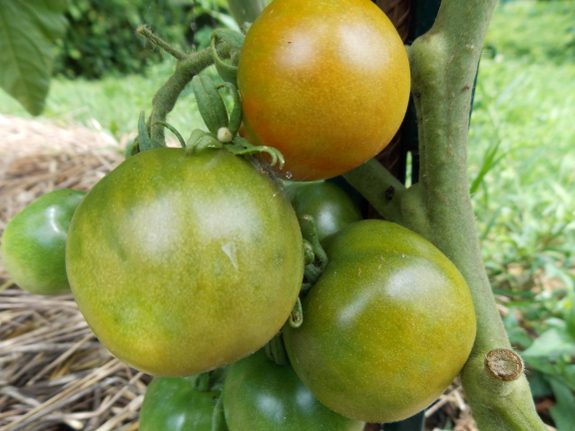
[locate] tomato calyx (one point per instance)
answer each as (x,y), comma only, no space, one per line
(228,72)
(315,255)
(276,351)
(208,381)
(223,127)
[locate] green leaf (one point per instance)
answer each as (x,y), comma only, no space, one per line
(27,30)
(563,413)
(551,344)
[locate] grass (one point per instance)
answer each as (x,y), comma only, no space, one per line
(522,167)
(522,136)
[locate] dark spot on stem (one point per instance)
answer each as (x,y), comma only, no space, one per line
(389,193)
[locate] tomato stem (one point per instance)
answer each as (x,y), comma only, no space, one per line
(145,31)
(444,64)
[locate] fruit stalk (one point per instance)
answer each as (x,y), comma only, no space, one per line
(188,66)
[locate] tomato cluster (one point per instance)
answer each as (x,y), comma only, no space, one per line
(189,260)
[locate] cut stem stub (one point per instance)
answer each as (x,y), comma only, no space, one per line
(504,364)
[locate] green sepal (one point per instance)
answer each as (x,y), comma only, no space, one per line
(231,37)
(132,148)
(236,114)
(210,103)
(173,130)
(201,382)
(296,316)
(309,255)
(199,140)
(208,381)
(228,72)
(243,148)
(276,351)
(312,247)
(144,141)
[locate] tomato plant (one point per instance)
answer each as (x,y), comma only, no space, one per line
(386,328)
(326,83)
(174,404)
(330,206)
(34,243)
(260,395)
(184,263)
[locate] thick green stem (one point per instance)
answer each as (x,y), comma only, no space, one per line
(166,97)
(444,64)
(380,188)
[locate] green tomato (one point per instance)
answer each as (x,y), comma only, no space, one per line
(260,395)
(173,404)
(386,328)
(34,243)
(184,263)
(330,206)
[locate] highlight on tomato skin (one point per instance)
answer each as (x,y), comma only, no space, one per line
(326,83)
(386,328)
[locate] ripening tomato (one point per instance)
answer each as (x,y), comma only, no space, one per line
(260,395)
(386,328)
(173,404)
(181,264)
(325,82)
(34,243)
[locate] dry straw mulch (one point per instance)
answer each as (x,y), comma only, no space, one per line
(54,374)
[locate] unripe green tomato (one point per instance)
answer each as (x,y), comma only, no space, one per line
(386,328)
(173,404)
(34,243)
(183,263)
(260,395)
(330,206)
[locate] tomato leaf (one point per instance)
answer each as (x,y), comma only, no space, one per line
(563,413)
(27,30)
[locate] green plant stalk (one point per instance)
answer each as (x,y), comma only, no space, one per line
(165,98)
(188,66)
(444,64)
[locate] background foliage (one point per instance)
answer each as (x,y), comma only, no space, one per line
(523,173)
(100,37)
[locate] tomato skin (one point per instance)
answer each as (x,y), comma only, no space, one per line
(386,328)
(174,404)
(260,395)
(182,264)
(34,243)
(330,206)
(326,83)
